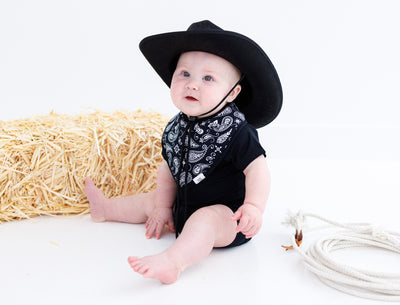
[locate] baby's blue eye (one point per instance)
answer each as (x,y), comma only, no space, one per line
(185,74)
(208,78)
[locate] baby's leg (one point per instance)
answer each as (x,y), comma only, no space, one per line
(131,209)
(206,228)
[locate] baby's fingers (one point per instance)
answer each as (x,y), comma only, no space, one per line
(171,225)
(243,223)
(150,226)
(237,215)
(148,223)
(158,230)
(251,231)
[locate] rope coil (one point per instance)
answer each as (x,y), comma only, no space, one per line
(355,281)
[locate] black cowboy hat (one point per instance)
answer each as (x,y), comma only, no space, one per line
(261,96)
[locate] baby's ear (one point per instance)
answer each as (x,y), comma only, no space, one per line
(235,92)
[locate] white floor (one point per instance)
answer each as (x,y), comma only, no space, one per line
(340,72)
(72,260)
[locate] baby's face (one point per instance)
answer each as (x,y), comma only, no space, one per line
(200,81)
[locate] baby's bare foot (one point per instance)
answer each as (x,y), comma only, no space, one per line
(161,267)
(96,201)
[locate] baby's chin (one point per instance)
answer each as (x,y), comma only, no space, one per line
(193,109)
(191,114)
(199,114)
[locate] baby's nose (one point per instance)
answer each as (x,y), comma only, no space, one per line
(192,85)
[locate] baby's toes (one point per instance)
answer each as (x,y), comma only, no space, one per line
(133,260)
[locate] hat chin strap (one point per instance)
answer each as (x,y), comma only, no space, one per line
(192,118)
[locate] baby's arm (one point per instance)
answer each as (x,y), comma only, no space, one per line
(258,183)
(164,199)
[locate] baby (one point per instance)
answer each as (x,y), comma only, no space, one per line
(213,184)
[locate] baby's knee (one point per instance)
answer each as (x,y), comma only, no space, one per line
(214,212)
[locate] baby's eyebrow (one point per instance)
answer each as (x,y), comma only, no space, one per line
(180,64)
(181,67)
(209,71)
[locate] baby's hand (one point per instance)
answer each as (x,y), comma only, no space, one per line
(250,220)
(157,221)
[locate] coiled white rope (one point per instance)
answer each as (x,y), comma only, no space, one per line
(359,282)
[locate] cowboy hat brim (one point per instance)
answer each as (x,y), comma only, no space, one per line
(261,96)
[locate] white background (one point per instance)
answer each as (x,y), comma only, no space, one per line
(333,149)
(337,60)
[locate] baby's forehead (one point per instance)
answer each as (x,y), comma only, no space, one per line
(205,58)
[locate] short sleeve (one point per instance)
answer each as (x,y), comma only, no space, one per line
(245,147)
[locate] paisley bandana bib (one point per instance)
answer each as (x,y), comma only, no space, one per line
(193,149)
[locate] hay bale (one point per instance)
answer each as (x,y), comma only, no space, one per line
(45,159)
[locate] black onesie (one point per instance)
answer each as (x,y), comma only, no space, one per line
(211,171)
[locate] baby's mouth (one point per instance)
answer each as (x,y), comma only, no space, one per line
(190,98)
